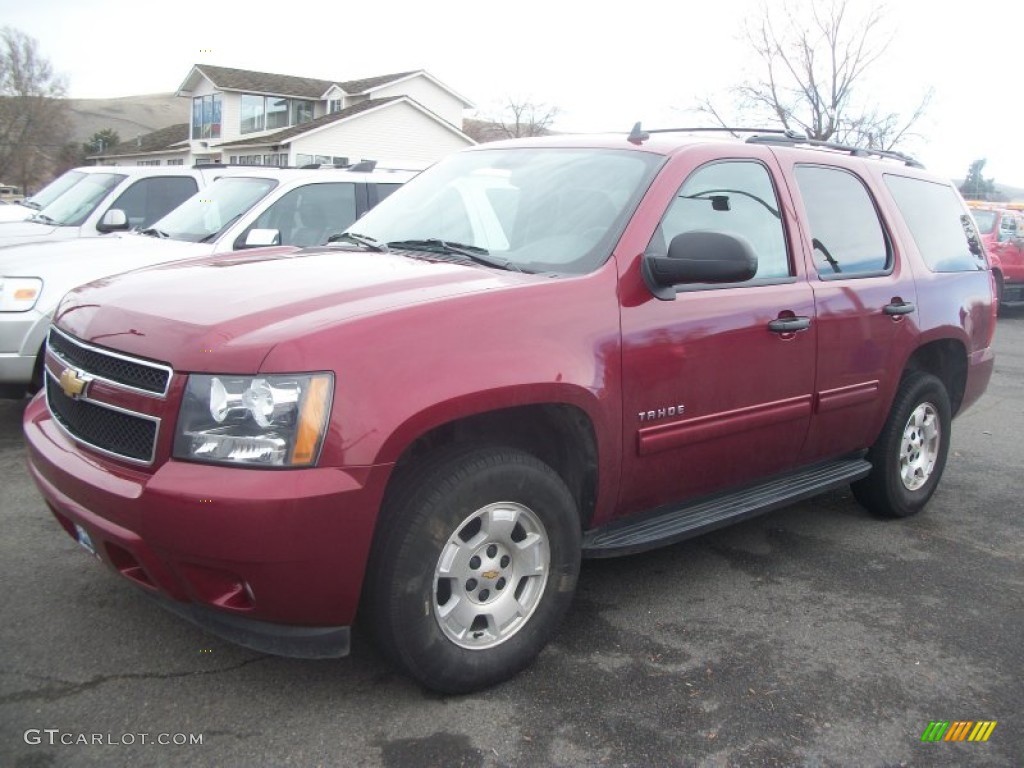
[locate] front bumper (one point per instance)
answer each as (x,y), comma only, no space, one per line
(21,338)
(273,560)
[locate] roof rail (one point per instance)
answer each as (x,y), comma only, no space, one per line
(888,154)
(363,166)
(639,135)
(786,136)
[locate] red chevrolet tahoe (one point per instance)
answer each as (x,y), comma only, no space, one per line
(535,351)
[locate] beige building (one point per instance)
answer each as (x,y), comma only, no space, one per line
(258,118)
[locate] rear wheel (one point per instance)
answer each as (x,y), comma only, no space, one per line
(910,454)
(475,568)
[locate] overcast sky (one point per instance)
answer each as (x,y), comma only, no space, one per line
(604,65)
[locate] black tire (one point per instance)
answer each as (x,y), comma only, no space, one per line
(490,508)
(907,461)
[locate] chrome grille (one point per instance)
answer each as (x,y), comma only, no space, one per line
(104,364)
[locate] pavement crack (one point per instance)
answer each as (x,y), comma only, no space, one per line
(62,689)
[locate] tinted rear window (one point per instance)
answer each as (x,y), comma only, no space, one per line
(945,234)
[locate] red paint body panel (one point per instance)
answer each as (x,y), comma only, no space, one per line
(298,538)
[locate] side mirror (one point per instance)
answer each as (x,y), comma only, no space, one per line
(114,220)
(701,256)
(259,238)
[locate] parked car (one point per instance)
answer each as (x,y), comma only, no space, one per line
(110,199)
(10,194)
(260,206)
(535,351)
(27,208)
(1002,233)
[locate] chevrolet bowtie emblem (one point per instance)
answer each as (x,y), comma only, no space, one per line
(72,382)
(490,574)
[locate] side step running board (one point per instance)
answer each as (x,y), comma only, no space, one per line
(669,524)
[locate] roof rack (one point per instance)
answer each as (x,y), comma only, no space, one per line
(786,136)
(888,154)
(639,135)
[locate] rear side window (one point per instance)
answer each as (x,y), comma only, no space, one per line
(736,197)
(945,235)
(846,232)
(147,200)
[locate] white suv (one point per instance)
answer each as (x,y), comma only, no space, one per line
(108,199)
(30,206)
(260,207)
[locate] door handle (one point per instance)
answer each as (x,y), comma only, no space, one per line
(899,308)
(789,324)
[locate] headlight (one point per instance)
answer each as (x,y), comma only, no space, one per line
(267,421)
(19,294)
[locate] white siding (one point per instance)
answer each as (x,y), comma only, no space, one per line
(437,100)
(203,88)
(394,132)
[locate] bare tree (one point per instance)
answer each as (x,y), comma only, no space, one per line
(523,117)
(811,58)
(33,114)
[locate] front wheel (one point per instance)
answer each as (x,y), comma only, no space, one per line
(475,565)
(910,454)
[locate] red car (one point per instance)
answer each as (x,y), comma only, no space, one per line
(1002,232)
(535,351)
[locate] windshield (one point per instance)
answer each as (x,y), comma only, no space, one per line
(986,221)
(540,209)
(210,211)
(55,189)
(74,206)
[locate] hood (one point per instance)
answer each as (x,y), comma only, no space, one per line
(16,232)
(225,313)
(15,212)
(64,264)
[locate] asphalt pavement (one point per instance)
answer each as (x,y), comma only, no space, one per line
(812,636)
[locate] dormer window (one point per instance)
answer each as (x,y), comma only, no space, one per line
(334,105)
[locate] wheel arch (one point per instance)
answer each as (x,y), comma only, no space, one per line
(946,359)
(560,434)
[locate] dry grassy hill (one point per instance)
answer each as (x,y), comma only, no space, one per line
(130,116)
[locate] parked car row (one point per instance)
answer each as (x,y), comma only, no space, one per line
(234,210)
(533,352)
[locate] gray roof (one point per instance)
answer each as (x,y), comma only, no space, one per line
(228,79)
(353,87)
(163,139)
(295,130)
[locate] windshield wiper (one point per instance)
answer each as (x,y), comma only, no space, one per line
(154,232)
(32,204)
(42,218)
(364,240)
(472,252)
(223,227)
